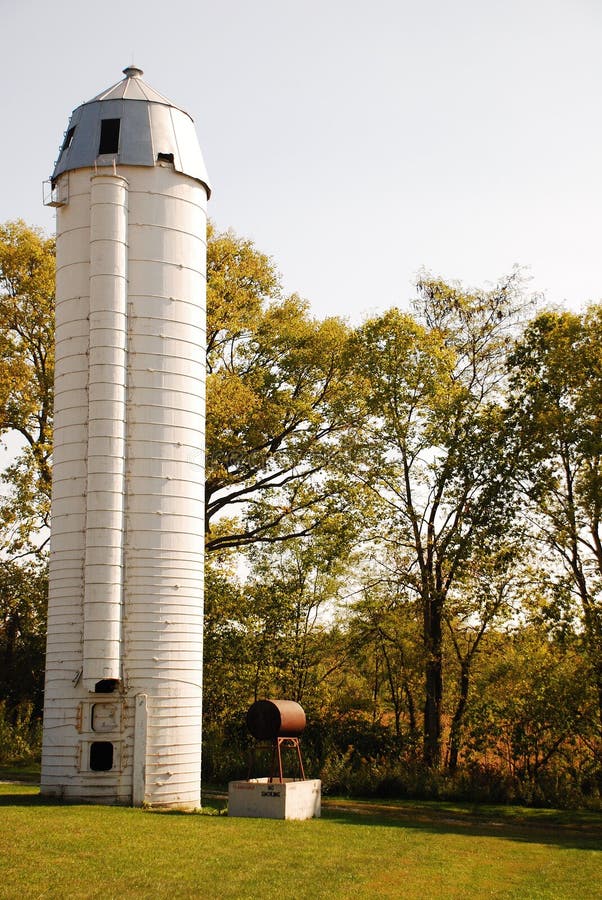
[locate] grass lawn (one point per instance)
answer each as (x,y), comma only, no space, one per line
(358,849)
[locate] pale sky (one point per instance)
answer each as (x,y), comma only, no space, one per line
(355,142)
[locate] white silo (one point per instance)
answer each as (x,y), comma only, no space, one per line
(122,718)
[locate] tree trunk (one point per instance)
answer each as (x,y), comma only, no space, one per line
(456,726)
(393,691)
(411,708)
(599,686)
(433,678)
(10,642)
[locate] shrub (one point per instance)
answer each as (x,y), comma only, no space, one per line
(20,734)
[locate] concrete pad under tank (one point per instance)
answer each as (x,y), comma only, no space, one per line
(261,798)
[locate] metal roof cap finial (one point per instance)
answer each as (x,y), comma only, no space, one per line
(133,72)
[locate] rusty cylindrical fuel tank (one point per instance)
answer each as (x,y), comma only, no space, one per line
(268,720)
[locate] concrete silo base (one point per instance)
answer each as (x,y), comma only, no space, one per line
(261,798)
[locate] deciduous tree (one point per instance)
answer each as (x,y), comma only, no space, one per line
(435,450)
(557,388)
(278,399)
(26,383)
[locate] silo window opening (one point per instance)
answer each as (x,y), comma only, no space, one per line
(101,756)
(68,139)
(109,136)
(105,686)
(165,157)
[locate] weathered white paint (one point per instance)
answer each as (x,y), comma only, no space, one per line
(126,570)
(140,732)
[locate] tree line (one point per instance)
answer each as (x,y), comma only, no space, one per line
(402,519)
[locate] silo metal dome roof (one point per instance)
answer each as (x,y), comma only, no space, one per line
(131,124)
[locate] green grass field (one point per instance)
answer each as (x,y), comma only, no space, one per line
(358,849)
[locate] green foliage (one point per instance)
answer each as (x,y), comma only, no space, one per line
(289,597)
(278,401)
(557,412)
(533,717)
(20,734)
(23,589)
(385,634)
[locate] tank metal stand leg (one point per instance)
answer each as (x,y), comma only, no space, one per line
(276,747)
(293,743)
